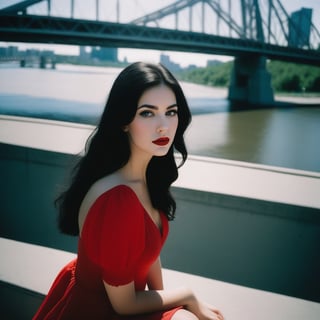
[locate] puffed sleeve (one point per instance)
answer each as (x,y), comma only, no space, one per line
(113,234)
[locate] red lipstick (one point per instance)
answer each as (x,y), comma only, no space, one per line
(161,141)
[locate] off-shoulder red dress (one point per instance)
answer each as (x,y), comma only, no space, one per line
(118,244)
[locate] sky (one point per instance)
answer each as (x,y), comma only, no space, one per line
(130,9)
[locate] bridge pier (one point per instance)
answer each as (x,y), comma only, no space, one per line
(250,81)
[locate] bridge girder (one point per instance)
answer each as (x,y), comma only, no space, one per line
(253,25)
(20,6)
(40,29)
(168,10)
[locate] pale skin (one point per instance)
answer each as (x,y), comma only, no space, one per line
(156,117)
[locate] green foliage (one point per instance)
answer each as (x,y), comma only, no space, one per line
(291,77)
(286,77)
(217,75)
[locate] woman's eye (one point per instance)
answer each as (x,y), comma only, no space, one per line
(146,114)
(172,113)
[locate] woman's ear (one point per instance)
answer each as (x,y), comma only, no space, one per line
(125,128)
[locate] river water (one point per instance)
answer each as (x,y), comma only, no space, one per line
(285,136)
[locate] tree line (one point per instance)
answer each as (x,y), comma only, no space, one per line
(286,77)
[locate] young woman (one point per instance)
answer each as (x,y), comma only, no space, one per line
(119,204)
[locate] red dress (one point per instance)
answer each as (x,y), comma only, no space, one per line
(118,244)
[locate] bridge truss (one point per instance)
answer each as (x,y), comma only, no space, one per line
(239,27)
(260,20)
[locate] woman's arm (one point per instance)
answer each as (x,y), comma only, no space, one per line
(126,301)
(155,281)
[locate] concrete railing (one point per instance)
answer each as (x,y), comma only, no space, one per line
(235,178)
(34,268)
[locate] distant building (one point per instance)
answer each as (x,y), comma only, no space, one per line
(105,54)
(32,53)
(48,53)
(172,66)
(213,62)
(299,28)
(12,51)
(3,52)
(84,54)
(191,67)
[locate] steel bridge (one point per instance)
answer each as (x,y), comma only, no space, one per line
(245,29)
(234,28)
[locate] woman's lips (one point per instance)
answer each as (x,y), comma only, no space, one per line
(161,141)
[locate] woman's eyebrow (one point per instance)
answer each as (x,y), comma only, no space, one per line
(150,106)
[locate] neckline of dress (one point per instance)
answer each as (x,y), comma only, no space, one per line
(159,228)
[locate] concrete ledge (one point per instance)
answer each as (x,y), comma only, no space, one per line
(31,266)
(55,136)
(248,180)
(34,268)
(242,303)
(282,185)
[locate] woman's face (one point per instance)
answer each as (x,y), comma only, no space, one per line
(154,126)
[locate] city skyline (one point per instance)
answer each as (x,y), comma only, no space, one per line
(98,56)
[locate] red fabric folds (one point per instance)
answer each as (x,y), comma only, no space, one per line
(118,244)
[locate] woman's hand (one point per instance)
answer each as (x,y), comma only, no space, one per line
(204,311)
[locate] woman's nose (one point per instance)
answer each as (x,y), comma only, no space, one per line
(162,125)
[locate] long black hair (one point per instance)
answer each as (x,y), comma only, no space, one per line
(108,148)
